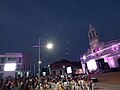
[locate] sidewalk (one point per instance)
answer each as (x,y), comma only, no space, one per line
(102,86)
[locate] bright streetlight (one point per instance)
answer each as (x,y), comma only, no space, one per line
(49,46)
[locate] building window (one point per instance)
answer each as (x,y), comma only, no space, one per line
(96,33)
(93,50)
(93,34)
(24,68)
(115,48)
(1,68)
(2,60)
(96,54)
(12,59)
(1,75)
(18,66)
(19,60)
(90,35)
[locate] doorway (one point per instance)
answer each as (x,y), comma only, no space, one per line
(119,61)
(100,64)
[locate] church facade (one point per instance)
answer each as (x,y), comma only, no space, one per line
(100,55)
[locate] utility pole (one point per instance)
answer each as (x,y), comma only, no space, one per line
(49,46)
(39,61)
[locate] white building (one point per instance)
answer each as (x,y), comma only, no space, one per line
(100,55)
(11,64)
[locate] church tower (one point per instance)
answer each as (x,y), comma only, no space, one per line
(93,38)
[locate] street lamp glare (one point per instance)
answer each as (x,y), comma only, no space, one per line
(49,45)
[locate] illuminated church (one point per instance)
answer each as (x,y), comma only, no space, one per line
(100,55)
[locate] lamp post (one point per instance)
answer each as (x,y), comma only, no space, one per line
(39,61)
(64,71)
(48,46)
(39,69)
(49,69)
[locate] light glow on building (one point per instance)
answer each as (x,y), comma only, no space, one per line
(91,64)
(111,62)
(84,57)
(10,67)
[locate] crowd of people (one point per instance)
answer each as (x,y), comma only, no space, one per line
(47,83)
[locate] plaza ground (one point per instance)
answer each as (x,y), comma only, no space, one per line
(109,77)
(107,81)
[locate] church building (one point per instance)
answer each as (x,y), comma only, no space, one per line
(100,55)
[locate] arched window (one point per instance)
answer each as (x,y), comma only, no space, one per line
(93,50)
(93,33)
(90,35)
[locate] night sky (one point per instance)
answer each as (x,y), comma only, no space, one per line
(64,22)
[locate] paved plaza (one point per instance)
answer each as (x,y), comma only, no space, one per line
(108,81)
(103,86)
